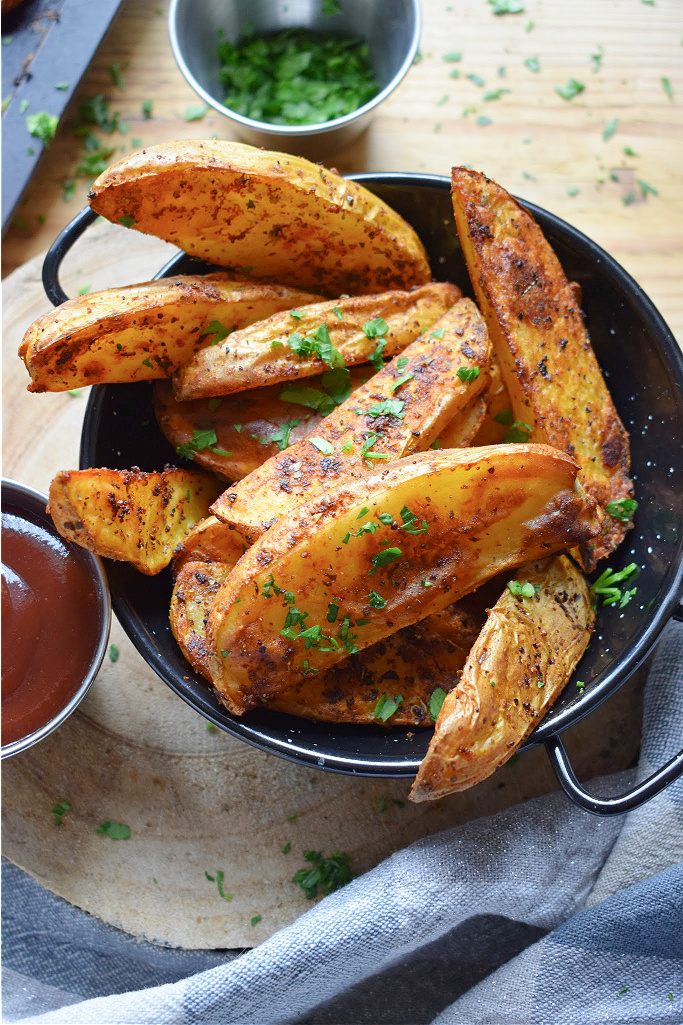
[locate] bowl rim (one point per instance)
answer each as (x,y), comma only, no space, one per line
(27,499)
(637,651)
(294,131)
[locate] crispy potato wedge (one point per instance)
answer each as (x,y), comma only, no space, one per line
(269,215)
(249,426)
(493,431)
(372,546)
(518,666)
(265,353)
(412,663)
(129,515)
(400,410)
(546,359)
(143,332)
(461,430)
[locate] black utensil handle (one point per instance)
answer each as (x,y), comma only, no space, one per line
(633,798)
(58,250)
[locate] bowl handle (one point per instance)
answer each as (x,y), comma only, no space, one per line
(633,798)
(58,250)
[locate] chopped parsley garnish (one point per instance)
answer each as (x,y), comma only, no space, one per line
(507,6)
(296,314)
(280,437)
(667,87)
(199,441)
(322,446)
(218,330)
(620,992)
(256,919)
(287,848)
(114,830)
(523,590)
(609,129)
(115,74)
(533,64)
(410,522)
(295,76)
(580,686)
(386,518)
(370,440)
(195,112)
(388,407)
(570,90)
(364,511)
(42,126)
(605,586)
(517,433)
(147,107)
(387,706)
(113,653)
(504,417)
(376,601)
(59,811)
(332,611)
(436,700)
(385,558)
(596,59)
(338,313)
(213,406)
(468,374)
(494,94)
(317,343)
(376,328)
(476,80)
(645,189)
(401,380)
(402,362)
(623,509)
(326,875)
(126,221)
(452,58)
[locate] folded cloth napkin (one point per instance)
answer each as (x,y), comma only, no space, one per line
(539,914)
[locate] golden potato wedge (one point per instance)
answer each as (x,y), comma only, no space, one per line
(460,431)
(346,330)
(498,419)
(400,410)
(412,663)
(269,215)
(143,332)
(253,425)
(518,666)
(129,515)
(387,551)
(545,355)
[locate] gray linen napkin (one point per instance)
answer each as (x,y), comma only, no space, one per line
(605,896)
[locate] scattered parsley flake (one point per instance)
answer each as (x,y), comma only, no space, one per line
(388,407)
(572,88)
(211,728)
(628,199)
(645,189)
(195,112)
(573,191)
(605,586)
(436,700)
(629,152)
(147,108)
(387,706)
(401,380)
(293,817)
(580,686)
(126,221)
(322,446)
(444,99)
(529,26)
(331,8)
(438,333)
(596,60)
(74,393)
(24,105)
(468,374)
(42,126)
(84,289)
(452,58)
(483,121)
(115,74)
(218,330)
(609,129)
(385,558)
(620,992)
(494,94)
(507,6)
(518,432)
(256,919)
(476,80)
(667,87)
(523,590)
(287,848)
(402,362)
(326,875)
(113,653)
(623,509)
(376,601)
(59,811)
(114,830)
(280,437)
(533,64)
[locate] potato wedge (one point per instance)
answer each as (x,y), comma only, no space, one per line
(271,351)
(143,332)
(129,515)
(546,359)
(412,663)
(269,215)
(518,666)
(460,431)
(400,410)
(496,423)
(373,546)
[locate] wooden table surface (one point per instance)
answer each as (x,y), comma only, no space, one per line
(583,159)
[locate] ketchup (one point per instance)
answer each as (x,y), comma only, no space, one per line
(49,625)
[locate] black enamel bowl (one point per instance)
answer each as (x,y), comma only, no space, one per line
(644,370)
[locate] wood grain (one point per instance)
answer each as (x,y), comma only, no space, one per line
(538,145)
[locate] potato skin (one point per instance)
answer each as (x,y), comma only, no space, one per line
(519,664)
(129,515)
(142,332)
(538,333)
(259,355)
(485,511)
(412,662)
(268,215)
(432,396)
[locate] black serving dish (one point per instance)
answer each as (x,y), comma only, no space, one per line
(643,367)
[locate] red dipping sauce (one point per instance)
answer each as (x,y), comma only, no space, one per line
(50,624)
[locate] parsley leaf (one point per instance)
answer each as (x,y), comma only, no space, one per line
(281,436)
(388,407)
(517,433)
(623,509)
(114,830)
(385,558)
(59,811)
(507,6)
(468,374)
(195,112)
(376,601)
(436,700)
(42,126)
(322,446)
(218,330)
(401,380)
(570,90)
(326,875)
(386,706)
(605,586)
(523,590)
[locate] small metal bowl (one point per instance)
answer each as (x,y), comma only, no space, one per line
(390,27)
(25,502)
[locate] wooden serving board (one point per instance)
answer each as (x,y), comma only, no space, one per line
(198,801)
